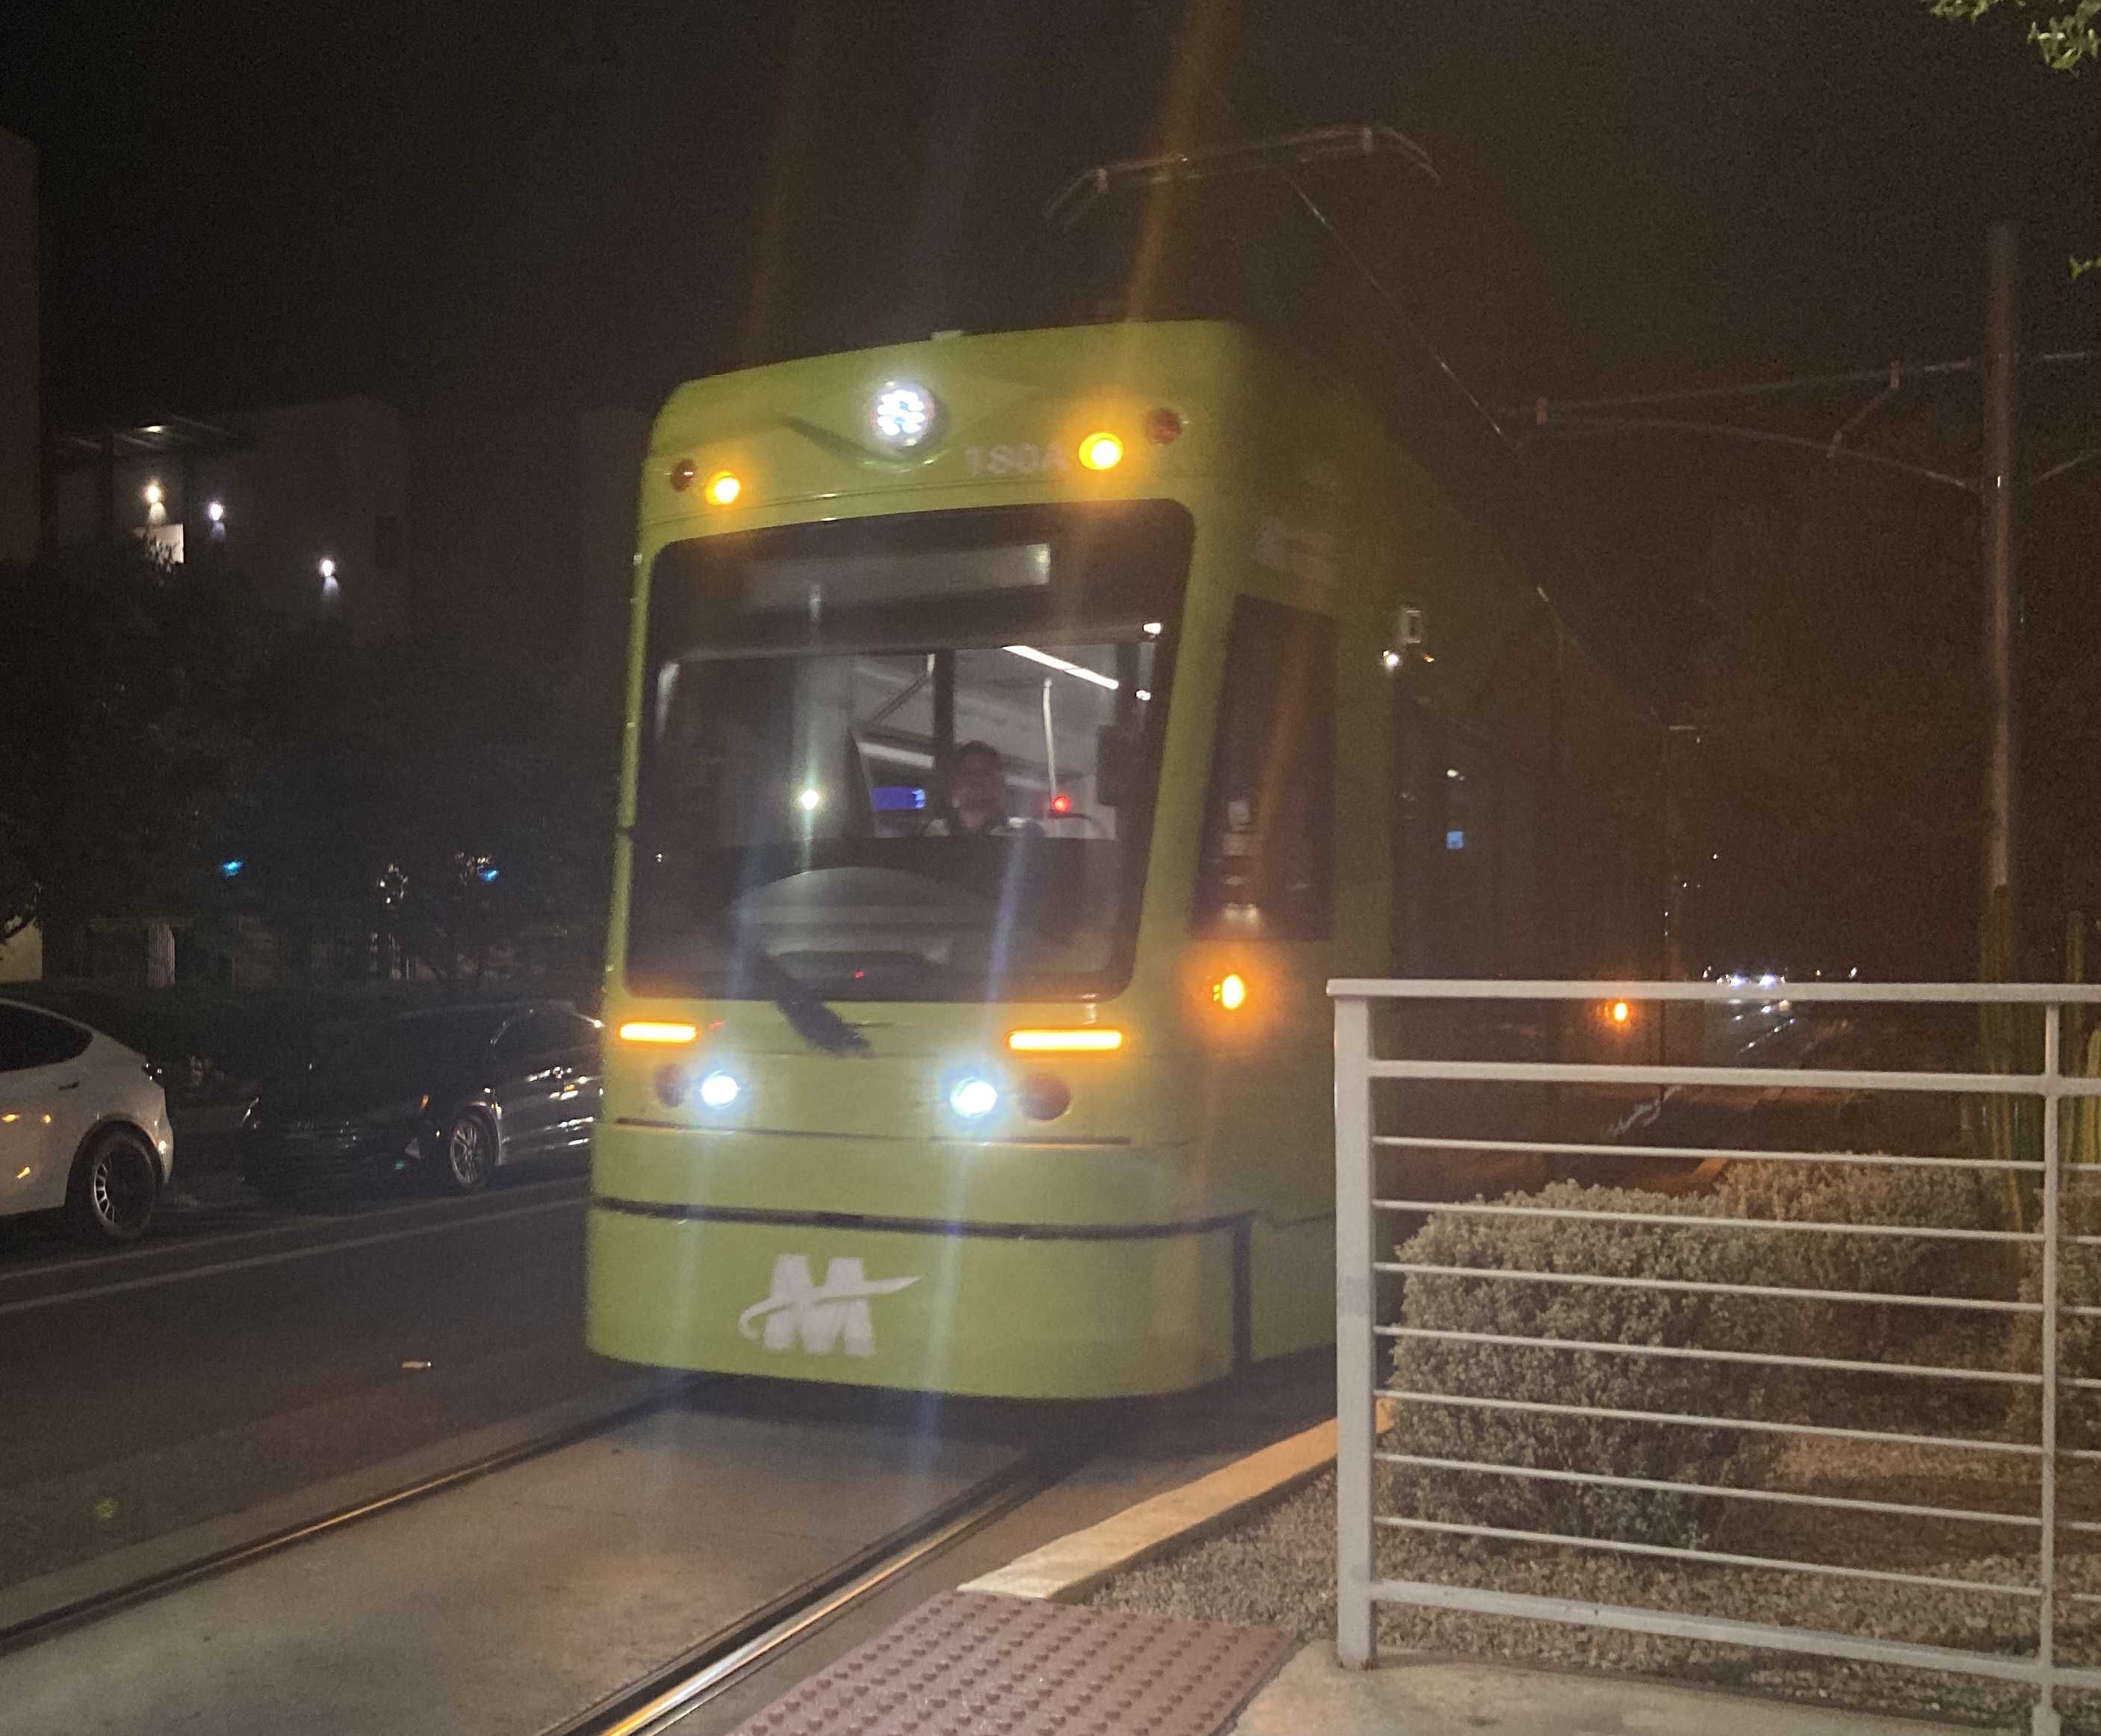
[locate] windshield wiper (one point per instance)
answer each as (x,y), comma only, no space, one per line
(808,1013)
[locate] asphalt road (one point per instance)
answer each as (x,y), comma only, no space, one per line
(239,1355)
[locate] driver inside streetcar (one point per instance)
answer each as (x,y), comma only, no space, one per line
(977,798)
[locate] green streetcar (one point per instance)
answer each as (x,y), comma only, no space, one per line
(1021,730)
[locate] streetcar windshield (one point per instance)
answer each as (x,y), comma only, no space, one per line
(904,758)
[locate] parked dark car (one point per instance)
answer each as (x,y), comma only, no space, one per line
(452,1095)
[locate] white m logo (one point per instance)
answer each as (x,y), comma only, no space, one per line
(821,1315)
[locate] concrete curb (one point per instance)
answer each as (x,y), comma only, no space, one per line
(1066,1570)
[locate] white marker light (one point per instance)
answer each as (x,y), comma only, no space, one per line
(152,494)
(903,414)
(974,1099)
(810,801)
(328,568)
(1152,629)
(216,512)
(719,1090)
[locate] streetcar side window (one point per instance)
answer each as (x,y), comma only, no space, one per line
(1267,869)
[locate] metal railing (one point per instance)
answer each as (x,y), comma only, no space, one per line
(2004,1275)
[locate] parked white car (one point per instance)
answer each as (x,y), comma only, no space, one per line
(83,1126)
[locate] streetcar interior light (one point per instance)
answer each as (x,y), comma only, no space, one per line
(659,1031)
(1101,451)
(718,1090)
(1083,1039)
(903,414)
(974,1099)
(1079,671)
(1230,992)
(723,488)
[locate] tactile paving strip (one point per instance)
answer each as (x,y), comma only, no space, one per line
(977,1664)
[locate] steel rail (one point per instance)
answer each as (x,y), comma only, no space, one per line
(665,1695)
(1689,1353)
(1734,1492)
(1692,1220)
(1713,1557)
(1705,1286)
(1742,1154)
(1694,1420)
(1871,994)
(31,1629)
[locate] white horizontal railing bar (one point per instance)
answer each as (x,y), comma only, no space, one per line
(2080,1525)
(1686,1353)
(1664,1624)
(1757,1425)
(1558,1148)
(1688,1221)
(1710,1287)
(2088,1453)
(1922,994)
(1717,1557)
(1737,1078)
(1662,1485)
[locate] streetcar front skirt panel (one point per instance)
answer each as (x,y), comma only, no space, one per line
(1002,1313)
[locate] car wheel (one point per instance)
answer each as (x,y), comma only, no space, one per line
(114,1184)
(467,1158)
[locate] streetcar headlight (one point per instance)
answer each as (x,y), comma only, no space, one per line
(974,1099)
(719,1089)
(902,415)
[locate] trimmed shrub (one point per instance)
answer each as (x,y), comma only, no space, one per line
(1665,1451)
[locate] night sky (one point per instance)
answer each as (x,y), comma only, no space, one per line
(571,205)
(253,203)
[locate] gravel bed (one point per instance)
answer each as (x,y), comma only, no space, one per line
(1279,1567)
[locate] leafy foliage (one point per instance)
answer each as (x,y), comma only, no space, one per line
(2065,41)
(126,719)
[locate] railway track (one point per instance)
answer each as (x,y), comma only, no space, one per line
(30,1630)
(662,1698)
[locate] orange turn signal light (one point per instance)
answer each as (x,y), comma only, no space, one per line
(723,488)
(1086,1039)
(1231,991)
(1101,451)
(1619,1012)
(659,1031)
